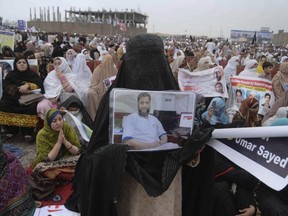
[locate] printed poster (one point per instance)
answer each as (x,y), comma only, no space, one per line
(260,151)
(210,82)
(243,87)
(6,39)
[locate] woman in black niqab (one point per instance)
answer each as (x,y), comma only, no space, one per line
(100,170)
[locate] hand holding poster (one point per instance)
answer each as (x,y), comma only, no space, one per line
(210,82)
(242,87)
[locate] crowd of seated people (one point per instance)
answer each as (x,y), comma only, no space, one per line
(73,85)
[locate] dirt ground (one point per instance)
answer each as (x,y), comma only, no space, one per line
(28,148)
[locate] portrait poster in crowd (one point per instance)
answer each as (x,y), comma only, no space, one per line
(6,39)
(210,82)
(21,25)
(147,115)
(243,87)
(262,151)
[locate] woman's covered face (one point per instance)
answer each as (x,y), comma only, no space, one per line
(69,55)
(57,123)
(57,62)
(22,65)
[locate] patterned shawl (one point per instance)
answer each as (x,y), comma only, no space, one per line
(249,109)
(46,139)
(15,194)
(219,115)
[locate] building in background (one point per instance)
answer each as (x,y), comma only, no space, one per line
(102,22)
(262,36)
(280,39)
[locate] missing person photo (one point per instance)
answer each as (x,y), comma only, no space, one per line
(146,119)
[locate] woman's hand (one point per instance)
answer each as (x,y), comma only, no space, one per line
(61,137)
(24,89)
(210,113)
(247,211)
(58,73)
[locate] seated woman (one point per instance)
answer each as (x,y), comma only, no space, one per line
(83,78)
(15,194)
(45,58)
(247,115)
(280,81)
(250,69)
(215,114)
(56,139)
(233,189)
(281,113)
(55,142)
(70,57)
(20,81)
(97,89)
(77,109)
(59,85)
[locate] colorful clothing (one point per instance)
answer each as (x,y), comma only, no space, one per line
(46,139)
(15,194)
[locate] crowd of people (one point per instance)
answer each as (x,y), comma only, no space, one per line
(211,185)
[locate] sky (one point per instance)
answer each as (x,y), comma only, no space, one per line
(212,18)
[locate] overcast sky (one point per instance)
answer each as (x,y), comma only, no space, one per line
(196,17)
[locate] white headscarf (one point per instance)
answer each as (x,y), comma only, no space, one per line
(70,57)
(83,77)
(52,85)
(248,70)
(87,56)
(231,68)
(204,64)
(284,58)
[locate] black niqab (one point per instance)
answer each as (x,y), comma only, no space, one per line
(144,67)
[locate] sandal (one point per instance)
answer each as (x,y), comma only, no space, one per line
(28,138)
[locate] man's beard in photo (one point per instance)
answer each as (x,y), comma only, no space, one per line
(143,114)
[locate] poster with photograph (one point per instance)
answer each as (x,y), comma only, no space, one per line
(210,82)
(147,115)
(108,82)
(243,87)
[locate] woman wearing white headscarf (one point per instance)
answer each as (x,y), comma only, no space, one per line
(231,68)
(70,57)
(83,78)
(204,64)
(59,84)
(86,53)
(250,69)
